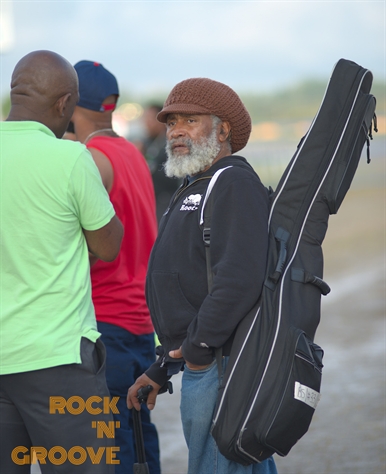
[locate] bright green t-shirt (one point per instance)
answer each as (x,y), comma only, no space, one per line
(49,190)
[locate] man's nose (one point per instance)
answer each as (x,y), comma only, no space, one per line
(177,131)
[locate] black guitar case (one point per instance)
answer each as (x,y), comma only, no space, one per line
(272,382)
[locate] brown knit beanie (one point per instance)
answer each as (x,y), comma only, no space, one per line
(205,96)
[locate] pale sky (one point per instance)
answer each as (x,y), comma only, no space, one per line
(151,45)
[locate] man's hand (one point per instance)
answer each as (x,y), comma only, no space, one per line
(142,381)
(177,354)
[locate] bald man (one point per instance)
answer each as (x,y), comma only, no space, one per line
(54,210)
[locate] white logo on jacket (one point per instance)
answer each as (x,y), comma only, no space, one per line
(191,203)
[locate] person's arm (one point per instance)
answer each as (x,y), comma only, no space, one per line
(105,243)
(107,174)
(90,203)
(92,259)
(105,168)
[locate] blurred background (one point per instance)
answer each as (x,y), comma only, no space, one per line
(278,55)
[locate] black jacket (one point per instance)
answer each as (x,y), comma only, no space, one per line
(182,311)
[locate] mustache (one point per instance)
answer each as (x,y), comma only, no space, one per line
(179,141)
(173,142)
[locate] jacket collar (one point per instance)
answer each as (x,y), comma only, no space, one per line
(234,160)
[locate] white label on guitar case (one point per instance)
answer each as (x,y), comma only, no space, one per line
(306,395)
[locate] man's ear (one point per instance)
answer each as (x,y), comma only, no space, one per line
(224,132)
(62,103)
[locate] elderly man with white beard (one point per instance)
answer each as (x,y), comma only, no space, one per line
(206,123)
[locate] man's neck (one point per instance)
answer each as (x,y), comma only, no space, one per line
(103,132)
(88,130)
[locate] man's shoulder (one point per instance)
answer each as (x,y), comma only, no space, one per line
(40,142)
(111,141)
(71,146)
(235,168)
(20,132)
(110,146)
(67,152)
(133,148)
(136,160)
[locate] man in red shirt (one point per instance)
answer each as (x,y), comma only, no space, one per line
(118,288)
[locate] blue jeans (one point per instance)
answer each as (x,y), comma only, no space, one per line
(198,398)
(128,356)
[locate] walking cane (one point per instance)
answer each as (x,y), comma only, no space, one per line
(141,466)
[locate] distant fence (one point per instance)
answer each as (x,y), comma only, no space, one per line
(270,159)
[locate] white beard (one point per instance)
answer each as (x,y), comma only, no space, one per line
(201,155)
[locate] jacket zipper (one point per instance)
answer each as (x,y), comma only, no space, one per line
(177,194)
